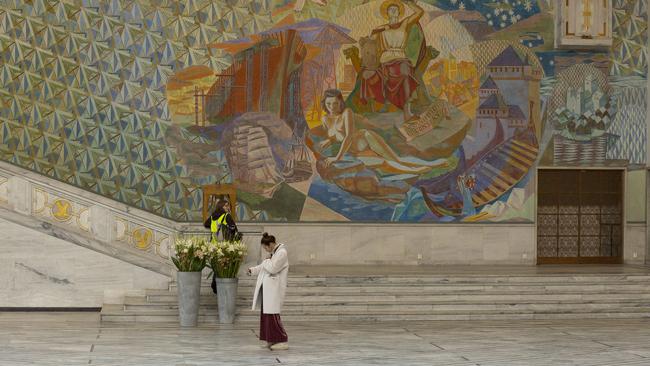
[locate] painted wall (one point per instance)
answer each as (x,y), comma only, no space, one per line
(144,102)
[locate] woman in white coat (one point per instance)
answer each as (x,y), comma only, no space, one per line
(269,293)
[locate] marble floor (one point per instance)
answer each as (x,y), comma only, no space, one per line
(79,339)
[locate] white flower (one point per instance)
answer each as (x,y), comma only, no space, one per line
(185,250)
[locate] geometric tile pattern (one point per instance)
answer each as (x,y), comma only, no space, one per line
(629,52)
(82,90)
(83,85)
(629,126)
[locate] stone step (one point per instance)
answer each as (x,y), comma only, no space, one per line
(345,308)
(516,312)
(515,309)
(253,320)
(156,310)
(437,297)
(456,288)
(460,308)
(409,299)
(402,308)
(419,280)
(117,313)
(137,318)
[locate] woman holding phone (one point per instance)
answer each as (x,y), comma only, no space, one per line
(269,293)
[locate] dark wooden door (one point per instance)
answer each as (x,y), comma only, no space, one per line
(579,216)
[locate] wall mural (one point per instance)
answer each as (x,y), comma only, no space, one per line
(317,110)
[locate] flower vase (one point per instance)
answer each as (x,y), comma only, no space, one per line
(189,295)
(227,299)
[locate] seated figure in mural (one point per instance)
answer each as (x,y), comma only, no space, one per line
(344,137)
(399,48)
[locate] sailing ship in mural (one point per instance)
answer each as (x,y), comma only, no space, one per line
(299,166)
(317,110)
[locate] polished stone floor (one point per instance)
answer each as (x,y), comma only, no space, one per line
(78,339)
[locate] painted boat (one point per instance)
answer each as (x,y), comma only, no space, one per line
(495,174)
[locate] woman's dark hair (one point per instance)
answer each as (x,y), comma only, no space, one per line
(332,93)
(267,239)
(220,204)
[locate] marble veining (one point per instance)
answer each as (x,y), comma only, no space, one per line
(79,339)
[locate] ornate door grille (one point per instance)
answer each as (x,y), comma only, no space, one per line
(580,216)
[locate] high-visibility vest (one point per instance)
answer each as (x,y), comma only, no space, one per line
(215,224)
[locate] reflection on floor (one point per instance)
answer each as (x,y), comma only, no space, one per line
(79,339)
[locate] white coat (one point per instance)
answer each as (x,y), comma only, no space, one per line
(272,277)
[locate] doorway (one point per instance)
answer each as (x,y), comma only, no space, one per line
(580,216)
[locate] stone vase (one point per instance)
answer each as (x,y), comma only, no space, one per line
(227,299)
(189,294)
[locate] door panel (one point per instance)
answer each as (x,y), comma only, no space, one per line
(580,216)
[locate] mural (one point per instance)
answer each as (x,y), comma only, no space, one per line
(317,110)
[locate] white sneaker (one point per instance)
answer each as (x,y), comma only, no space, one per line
(282,346)
(266,345)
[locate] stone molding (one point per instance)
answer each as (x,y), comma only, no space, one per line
(87,219)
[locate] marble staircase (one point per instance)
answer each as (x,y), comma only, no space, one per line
(423,296)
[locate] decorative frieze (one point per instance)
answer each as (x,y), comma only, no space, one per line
(141,236)
(61,209)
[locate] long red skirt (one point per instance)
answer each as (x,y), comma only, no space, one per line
(271,329)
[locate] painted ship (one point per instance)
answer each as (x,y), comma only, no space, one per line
(495,174)
(299,166)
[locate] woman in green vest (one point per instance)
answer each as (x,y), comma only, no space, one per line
(222,222)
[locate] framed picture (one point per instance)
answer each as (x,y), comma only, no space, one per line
(215,192)
(583,23)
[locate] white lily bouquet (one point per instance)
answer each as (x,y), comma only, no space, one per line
(226,257)
(191,253)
